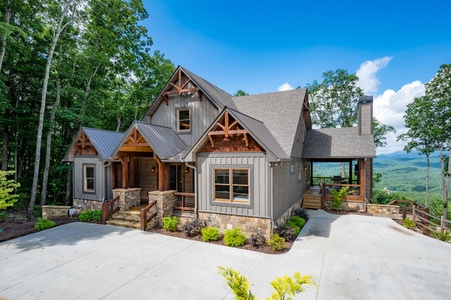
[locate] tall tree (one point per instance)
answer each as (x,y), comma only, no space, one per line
(439,91)
(420,120)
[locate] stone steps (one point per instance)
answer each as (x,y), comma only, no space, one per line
(130,219)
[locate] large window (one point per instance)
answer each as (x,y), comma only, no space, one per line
(89,178)
(183,120)
(231,185)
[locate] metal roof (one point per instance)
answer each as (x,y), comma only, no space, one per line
(163,140)
(330,143)
(104,141)
(279,111)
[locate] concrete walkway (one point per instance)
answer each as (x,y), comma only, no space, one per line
(351,257)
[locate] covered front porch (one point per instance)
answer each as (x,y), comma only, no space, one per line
(146,179)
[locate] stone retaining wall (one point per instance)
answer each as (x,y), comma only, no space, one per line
(381,209)
(52,211)
(348,206)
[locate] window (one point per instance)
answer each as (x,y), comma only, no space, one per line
(184,123)
(231,185)
(89,178)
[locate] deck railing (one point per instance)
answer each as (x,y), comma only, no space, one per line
(108,209)
(144,219)
(354,192)
(406,206)
(429,223)
(182,203)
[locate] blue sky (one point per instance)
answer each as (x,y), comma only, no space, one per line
(257,46)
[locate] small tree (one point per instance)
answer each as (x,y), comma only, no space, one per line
(339,196)
(7,187)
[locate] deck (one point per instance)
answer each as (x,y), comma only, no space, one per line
(312,198)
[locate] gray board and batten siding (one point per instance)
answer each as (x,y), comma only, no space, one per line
(259,183)
(202,114)
(100,178)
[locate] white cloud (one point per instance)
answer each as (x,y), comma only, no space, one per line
(285,87)
(389,108)
(367,74)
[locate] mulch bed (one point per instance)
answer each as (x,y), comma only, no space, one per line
(15,224)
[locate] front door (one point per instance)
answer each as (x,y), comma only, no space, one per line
(176,178)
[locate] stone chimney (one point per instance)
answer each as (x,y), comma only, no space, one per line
(365,115)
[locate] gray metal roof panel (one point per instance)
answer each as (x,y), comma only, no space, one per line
(338,143)
(163,140)
(279,111)
(105,141)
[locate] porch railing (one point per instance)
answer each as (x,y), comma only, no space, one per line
(144,219)
(108,209)
(354,192)
(183,201)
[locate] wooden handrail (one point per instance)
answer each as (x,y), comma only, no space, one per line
(106,209)
(143,214)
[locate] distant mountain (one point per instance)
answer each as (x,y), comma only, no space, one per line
(402,155)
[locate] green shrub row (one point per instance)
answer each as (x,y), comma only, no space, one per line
(94,215)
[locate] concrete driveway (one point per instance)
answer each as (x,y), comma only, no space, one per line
(351,257)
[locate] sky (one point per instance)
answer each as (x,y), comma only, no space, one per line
(393,46)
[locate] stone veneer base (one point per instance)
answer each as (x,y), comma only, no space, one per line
(83,204)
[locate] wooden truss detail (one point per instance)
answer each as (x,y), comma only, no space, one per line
(228,130)
(179,87)
(135,142)
(84,145)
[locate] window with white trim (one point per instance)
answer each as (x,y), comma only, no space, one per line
(89,178)
(183,120)
(231,185)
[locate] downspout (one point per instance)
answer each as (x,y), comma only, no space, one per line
(195,186)
(271,186)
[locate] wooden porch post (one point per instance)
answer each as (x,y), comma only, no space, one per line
(362,177)
(132,171)
(113,175)
(161,175)
(350,172)
(124,162)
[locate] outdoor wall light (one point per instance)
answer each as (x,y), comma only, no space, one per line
(186,170)
(152,170)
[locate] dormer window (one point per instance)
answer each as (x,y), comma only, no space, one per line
(183,120)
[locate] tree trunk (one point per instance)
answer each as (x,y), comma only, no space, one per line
(3,49)
(5,148)
(427,180)
(68,187)
(34,186)
(48,148)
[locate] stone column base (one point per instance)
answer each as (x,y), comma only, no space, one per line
(165,204)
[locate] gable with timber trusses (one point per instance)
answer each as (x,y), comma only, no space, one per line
(84,146)
(230,136)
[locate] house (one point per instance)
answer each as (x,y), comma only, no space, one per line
(232,161)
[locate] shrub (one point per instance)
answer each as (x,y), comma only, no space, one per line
(193,227)
(408,223)
(234,238)
(257,239)
(94,215)
(210,234)
(445,236)
(297,223)
(7,189)
(287,232)
(277,242)
(44,224)
(170,223)
(301,212)
(338,197)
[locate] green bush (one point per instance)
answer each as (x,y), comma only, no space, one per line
(234,238)
(44,224)
(210,234)
(277,242)
(445,236)
(170,223)
(297,223)
(94,215)
(408,223)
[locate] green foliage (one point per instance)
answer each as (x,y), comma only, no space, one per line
(408,223)
(234,237)
(284,287)
(238,283)
(210,234)
(2,214)
(287,232)
(339,196)
(94,215)
(257,239)
(290,286)
(7,188)
(170,223)
(193,227)
(301,212)
(277,242)
(380,130)
(44,224)
(297,223)
(445,236)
